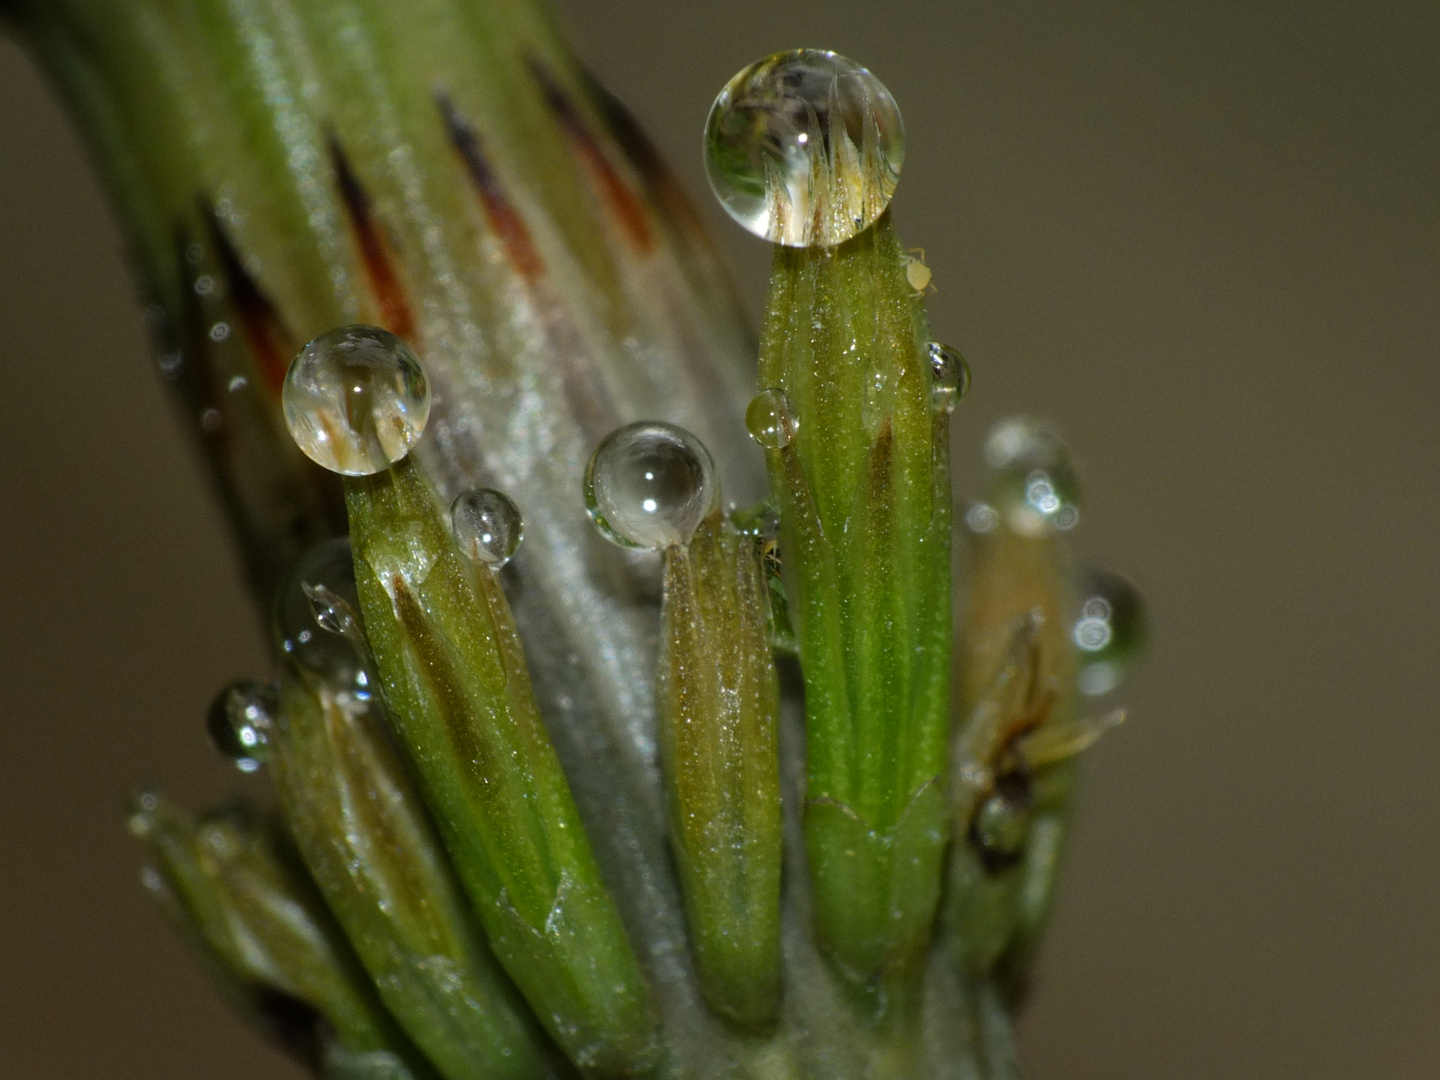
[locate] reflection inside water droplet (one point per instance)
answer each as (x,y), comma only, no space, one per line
(1110,631)
(487,526)
(241,722)
(316,622)
(769,420)
(649,485)
(356,400)
(950,374)
(804,148)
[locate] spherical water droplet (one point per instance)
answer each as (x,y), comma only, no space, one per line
(323,650)
(769,420)
(242,722)
(804,148)
(487,526)
(356,400)
(649,485)
(951,376)
(1110,631)
(1033,482)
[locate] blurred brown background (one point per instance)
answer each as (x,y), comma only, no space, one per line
(1203,238)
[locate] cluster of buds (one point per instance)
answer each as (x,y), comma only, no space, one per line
(591,750)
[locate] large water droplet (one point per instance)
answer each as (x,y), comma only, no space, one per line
(356,400)
(487,525)
(804,148)
(649,485)
(315,610)
(1033,483)
(950,376)
(241,722)
(1110,631)
(769,420)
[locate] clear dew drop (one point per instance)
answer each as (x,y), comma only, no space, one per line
(804,148)
(950,374)
(1033,483)
(316,621)
(1109,632)
(356,400)
(649,485)
(769,419)
(487,526)
(241,722)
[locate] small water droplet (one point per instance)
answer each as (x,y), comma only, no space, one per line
(981,518)
(144,813)
(237,383)
(204,285)
(1110,631)
(356,400)
(1033,482)
(951,376)
(804,148)
(332,611)
(1001,823)
(330,656)
(220,331)
(211,421)
(241,722)
(769,419)
(649,485)
(487,526)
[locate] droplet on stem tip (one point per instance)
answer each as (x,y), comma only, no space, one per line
(649,485)
(356,400)
(804,148)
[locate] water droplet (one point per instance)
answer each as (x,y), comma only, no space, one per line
(649,485)
(804,148)
(981,518)
(1001,822)
(356,400)
(1033,482)
(951,376)
(487,526)
(144,813)
(331,610)
(241,722)
(769,420)
(314,620)
(1110,631)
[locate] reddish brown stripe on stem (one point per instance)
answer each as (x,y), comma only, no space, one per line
(271,345)
(612,186)
(661,182)
(391,302)
(504,219)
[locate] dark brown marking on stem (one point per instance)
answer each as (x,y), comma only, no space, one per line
(500,213)
(376,252)
(614,191)
(272,346)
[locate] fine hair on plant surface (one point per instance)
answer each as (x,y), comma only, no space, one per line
(629,715)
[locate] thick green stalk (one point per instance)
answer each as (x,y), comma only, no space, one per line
(268,937)
(719,740)
(863,479)
(455,679)
(360,824)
